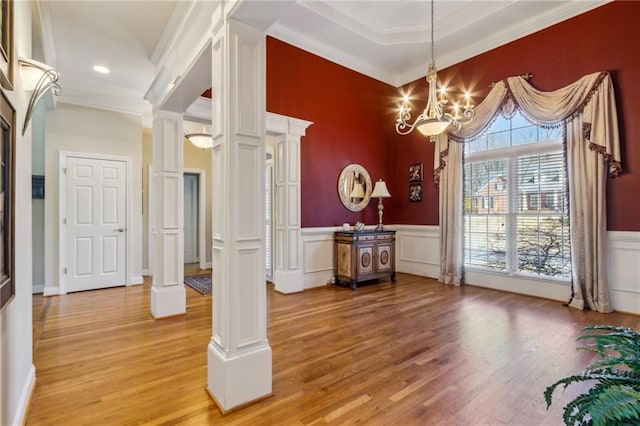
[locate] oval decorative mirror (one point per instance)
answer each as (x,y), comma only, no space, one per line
(354,187)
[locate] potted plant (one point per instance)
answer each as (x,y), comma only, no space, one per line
(614,399)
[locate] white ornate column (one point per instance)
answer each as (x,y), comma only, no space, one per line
(289,273)
(239,356)
(168,296)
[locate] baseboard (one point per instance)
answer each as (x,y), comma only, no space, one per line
(136,280)
(145,273)
(208,265)
(416,268)
(317,278)
(37,288)
(25,398)
(51,291)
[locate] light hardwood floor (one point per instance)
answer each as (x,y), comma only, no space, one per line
(413,353)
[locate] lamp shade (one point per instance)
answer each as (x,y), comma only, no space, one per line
(201,140)
(380,190)
(358,191)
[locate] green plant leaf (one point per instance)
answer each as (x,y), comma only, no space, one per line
(615,404)
(614,399)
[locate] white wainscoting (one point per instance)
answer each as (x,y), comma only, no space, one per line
(418,253)
(624,270)
(418,250)
(317,251)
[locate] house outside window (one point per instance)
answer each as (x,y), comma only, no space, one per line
(516,214)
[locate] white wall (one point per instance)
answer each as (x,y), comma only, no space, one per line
(17,373)
(418,253)
(37,165)
(81,129)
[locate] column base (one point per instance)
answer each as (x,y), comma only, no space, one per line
(287,282)
(239,380)
(168,301)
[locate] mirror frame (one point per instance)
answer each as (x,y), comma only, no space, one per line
(346,200)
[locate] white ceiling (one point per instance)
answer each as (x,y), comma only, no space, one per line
(387,40)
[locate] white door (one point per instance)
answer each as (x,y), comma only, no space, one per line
(95,224)
(190,218)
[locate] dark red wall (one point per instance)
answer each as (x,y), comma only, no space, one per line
(347,109)
(603,39)
(354,119)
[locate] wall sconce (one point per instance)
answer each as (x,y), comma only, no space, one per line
(380,191)
(39,78)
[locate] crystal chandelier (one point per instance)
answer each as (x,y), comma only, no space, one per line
(434,120)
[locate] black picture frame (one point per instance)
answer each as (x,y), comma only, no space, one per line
(37,186)
(415,172)
(7,200)
(415,192)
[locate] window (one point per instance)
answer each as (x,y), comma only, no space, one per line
(516,216)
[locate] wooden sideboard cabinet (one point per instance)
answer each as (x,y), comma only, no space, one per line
(364,255)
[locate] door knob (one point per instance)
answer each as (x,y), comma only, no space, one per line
(120,230)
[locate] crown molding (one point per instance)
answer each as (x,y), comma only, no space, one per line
(411,34)
(504,36)
(200,110)
(182,50)
(330,53)
(169,34)
(122,104)
(42,13)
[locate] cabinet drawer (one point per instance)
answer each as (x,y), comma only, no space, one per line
(385,237)
(365,237)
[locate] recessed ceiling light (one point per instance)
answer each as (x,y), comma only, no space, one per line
(101,69)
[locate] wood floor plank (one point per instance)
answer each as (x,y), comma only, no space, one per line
(413,352)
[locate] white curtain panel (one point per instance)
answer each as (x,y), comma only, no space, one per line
(593,153)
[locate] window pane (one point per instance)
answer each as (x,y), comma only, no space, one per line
(528,191)
(543,246)
(552,133)
(524,135)
(477,145)
(499,140)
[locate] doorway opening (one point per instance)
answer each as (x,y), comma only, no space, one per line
(190,223)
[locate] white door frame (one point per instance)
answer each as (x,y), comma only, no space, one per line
(62,211)
(151,220)
(202,214)
(269,150)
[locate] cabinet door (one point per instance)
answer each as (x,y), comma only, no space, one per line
(385,256)
(365,260)
(343,253)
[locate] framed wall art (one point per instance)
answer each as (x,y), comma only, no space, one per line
(415,192)
(415,172)
(7,200)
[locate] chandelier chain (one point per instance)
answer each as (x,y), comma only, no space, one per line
(433,55)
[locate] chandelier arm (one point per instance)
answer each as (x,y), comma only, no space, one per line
(404,128)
